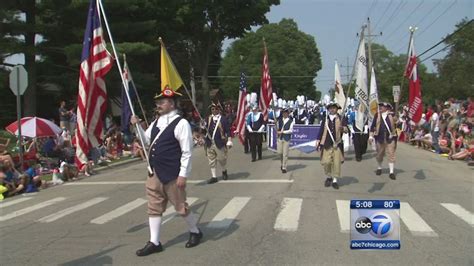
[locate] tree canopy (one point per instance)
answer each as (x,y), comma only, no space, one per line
(293,55)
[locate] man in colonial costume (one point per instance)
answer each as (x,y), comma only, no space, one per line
(383,131)
(330,142)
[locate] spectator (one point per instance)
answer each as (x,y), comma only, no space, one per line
(64,115)
(435,129)
(33,179)
(50,148)
(72,121)
(137,149)
(68,171)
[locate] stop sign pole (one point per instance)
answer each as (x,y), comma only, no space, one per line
(18,84)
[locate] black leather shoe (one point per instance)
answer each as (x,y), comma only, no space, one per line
(392,176)
(253,160)
(224,175)
(328,181)
(358,159)
(283,171)
(149,248)
(194,239)
(335,185)
(378,172)
(259,158)
(212,180)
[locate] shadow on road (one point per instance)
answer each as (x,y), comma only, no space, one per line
(293,167)
(347,180)
(99,258)
(420,175)
(376,187)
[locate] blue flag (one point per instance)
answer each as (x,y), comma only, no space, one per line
(126,109)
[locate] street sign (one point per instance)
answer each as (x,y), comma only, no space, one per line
(396,93)
(18,80)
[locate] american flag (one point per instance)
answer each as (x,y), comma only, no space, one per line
(242,108)
(92,97)
(266,86)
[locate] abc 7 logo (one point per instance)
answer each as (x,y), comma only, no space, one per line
(379,225)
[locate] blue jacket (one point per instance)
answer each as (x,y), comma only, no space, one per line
(222,132)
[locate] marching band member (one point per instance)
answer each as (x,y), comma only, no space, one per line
(284,130)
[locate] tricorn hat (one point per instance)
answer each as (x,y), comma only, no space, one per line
(168,93)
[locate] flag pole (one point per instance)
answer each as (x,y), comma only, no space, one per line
(353,70)
(412,31)
(184,84)
(125,85)
(136,91)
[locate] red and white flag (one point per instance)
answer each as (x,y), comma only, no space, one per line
(92,97)
(242,108)
(415,102)
(266,90)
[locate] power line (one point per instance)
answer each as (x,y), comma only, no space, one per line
(446,38)
(395,11)
(447,9)
(397,28)
(416,24)
(383,14)
(370,8)
(441,50)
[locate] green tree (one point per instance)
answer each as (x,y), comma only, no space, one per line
(207,23)
(455,70)
(291,52)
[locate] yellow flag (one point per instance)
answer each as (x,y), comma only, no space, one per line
(169,75)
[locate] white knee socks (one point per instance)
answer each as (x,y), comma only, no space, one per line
(391,166)
(379,165)
(154,224)
(213,172)
(191,221)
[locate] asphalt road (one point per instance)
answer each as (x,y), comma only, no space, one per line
(259,216)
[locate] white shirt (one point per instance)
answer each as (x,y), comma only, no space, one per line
(434,119)
(384,115)
(332,117)
(290,130)
(182,133)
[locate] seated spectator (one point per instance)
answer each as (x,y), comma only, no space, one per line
(427,140)
(50,148)
(12,180)
(33,178)
(68,171)
(137,149)
(417,138)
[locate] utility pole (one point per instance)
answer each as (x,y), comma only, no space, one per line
(348,67)
(369,43)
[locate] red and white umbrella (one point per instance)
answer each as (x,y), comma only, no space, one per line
(34,127)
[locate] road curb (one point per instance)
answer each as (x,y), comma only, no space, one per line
(113,165)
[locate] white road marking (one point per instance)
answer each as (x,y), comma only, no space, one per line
(289,216)
(228,214)
(31,209)
(343,212)
(12,202)
(170,213)
(414,222)
(60,214)
(460,212)
(119,211)
(195,181)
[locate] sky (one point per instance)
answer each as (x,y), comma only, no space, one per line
(335,23)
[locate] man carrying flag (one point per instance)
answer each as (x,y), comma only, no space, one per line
(266,90)
(170,144)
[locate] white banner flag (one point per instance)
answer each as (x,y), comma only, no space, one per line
(339,97)
(361,93)
(373,97)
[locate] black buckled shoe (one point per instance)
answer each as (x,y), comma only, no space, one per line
(378,172)
(194,239)
(328,181)
(283,171)
(149,248)
(392,176)
(335,185)
(224,175)
(212,180)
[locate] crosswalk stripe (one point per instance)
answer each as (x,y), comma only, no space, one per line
(414,222)
(119,211)
(289,216)
(60,214)
(31,209)
(13,202)
(170,213)
(460,212)
(228,214)
(343,212)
